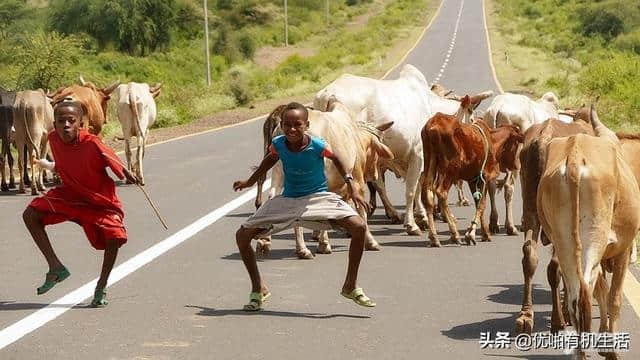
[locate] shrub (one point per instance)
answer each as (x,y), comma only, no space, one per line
(239,87)
(247,45)
(600,22)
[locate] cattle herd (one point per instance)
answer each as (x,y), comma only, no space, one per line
(578,178)
(26,117)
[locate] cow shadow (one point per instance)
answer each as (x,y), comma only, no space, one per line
(472,331)
(17,306)
(285,254)
(207,311)
(511,294)
(532,356)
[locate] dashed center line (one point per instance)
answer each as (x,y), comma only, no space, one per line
(451,45)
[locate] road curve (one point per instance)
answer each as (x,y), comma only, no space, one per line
(432,303)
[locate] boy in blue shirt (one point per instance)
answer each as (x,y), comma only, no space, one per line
(305,201)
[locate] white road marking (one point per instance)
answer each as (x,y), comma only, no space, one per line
(30,323)
(451,45)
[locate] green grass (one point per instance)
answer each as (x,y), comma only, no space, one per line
(561,46)
(180,68)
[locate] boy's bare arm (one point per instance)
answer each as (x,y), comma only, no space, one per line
(357,199)
(266,164)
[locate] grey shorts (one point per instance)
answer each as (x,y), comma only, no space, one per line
(313,211)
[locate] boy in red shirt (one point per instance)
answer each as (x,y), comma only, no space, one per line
(87,197)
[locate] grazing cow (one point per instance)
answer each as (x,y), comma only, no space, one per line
(358,145)
(406,101)
(33,119)
(93,99)
(472,152)
(532,159)
(589,206)
(136,113)
(6,123)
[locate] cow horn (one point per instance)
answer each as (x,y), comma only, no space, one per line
(113,86)
(385,126)
(82,82)
(600,129)
(155,87)
(568,112)
(331,103)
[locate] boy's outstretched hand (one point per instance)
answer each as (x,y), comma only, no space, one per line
(240,185)
(131,177)
(360,203)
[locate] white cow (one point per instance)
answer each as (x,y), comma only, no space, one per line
(519,110)
(408,102)
(136,113)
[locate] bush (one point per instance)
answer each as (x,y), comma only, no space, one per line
(247,45)
(629,42)
(239,87)
(224,45)
(10,12)
(600,22)
(44,59)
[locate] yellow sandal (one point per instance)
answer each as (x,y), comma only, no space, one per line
(358,296)
(256,299)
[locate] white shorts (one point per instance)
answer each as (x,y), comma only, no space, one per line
(313,211)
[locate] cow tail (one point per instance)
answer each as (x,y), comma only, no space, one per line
(29,118)
(134,110)
(582,307)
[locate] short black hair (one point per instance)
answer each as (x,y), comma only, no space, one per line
(296,106)
(68,103)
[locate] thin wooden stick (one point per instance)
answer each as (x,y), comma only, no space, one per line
(153,206)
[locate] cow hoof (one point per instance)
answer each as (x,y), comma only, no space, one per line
(494,228)
(470,239)
(555,328)
(433,242)
(464,202)
(263,247)
(324,248)
(304,254)
(4,187)
(315,236)
(372,246)
(454,240)
(395,219)
(35,192)
(415,231)
(422,224)
(12,185)
(512,230)
(524,322)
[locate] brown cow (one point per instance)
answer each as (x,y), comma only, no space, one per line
(588,204)
(532,159)
(456,151)
(6,123)
(93,99)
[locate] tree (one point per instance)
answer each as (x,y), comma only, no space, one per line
(44,59)
(10,12)
(134,26)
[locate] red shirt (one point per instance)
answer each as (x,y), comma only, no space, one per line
(82,167)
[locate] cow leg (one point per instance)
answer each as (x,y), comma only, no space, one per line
(21,168)
(412,181)
(127,153)
(372,197)
(140,153)
(324,247)
(34,176)
(301,248)
(10,162)
(494,227)
(524,322)
(442,192)
(43,155)
(25,169)
(462,200)
(554,277)
(420,213)
(389,210)
(3,171)
(600,292)
(509,187)
(470,236)
(620,264)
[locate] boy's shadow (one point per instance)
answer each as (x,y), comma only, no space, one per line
(206,311)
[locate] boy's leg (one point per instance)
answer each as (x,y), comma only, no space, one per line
(243,240)
(356,227)
(33,220)
(110,255)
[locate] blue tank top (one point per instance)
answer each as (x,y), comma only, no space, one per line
(304,170)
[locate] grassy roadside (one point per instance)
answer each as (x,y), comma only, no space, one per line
(540,46)
(524,65)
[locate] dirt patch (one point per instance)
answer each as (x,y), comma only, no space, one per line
(270,57)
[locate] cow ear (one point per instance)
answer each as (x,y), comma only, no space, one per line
(466,101)
(155,94)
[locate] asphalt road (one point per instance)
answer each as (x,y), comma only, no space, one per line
(185,304)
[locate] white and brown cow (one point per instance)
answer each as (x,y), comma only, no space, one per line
(137,113)
(589,207)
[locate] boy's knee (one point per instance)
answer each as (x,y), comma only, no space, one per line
(358,226)
(243,237)
(30,216)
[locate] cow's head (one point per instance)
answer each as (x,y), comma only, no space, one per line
(583,113)
(155,89)
(551,98)
(102,94)
(376,151)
